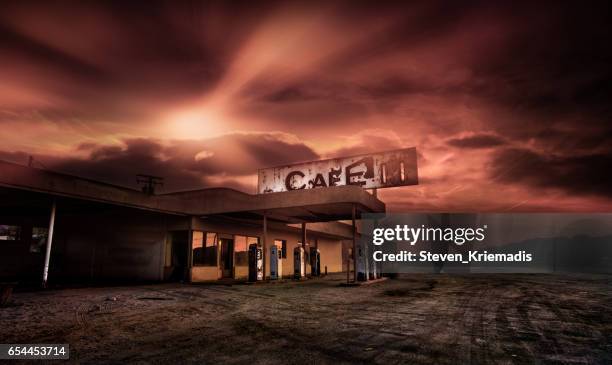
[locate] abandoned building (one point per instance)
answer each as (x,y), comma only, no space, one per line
(100,232)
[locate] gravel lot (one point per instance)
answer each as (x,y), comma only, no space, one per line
(417,319)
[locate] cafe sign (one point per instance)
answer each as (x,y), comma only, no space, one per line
(375,170)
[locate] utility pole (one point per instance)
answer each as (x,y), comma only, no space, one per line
(149,182)
(354,245)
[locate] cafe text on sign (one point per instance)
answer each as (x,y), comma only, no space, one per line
(375,170)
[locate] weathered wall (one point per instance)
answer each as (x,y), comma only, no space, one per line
(204,273)
(331,255)
(92,242)
(117,244)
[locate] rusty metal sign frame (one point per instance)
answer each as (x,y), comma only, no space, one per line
(371,171)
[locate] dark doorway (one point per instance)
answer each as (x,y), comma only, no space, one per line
(227,257)
(179,247)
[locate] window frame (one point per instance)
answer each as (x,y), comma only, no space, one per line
(204,260)
(18,230)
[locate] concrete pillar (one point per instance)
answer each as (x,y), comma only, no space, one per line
(304,247)
(354,245)
(348,265)
(365,261)
(190,249)
(304,237)
(265,243)
(377,265)
(49,243)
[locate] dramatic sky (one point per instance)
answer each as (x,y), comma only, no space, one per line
(508,105)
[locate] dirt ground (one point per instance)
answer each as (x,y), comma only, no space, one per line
(418,319)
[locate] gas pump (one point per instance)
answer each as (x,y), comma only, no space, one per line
(315,262)
(298,262)
(361,263)
(255,263)
(279,251)
(274,262)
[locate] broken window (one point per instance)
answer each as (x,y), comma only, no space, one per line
(197,245)
(251,240)
(209,254)
(282,244)
(10,233)
(241,251)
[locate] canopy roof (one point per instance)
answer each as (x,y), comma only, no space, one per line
(312,205)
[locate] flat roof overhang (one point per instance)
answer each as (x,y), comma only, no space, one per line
(312,205)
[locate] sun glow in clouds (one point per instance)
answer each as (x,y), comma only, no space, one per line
(259,85)
(192,122)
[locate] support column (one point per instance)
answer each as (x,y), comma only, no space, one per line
(304,237)
(265,243)
(354,245)
(348,267)
(304,247)
(368,270)
(190,250)
(49,243)
(314,260)
(377,265)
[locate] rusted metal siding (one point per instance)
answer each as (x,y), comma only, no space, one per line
(376,170)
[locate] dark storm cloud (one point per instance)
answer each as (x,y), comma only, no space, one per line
(184,164)
(442,76)
(289,94)
(18,45)
(120,164)
(581,175)
(588,138)
(396,87)
(552,70)
(549,56)
(104,60)
(338,91)
(367,143)
(477,141)
(240,153)
(540,58)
